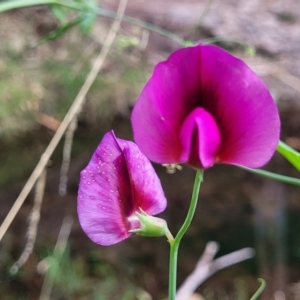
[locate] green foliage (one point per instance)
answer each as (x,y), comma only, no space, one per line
(15,4)
(290,154)
(85,7)
(124,41)
(17,90)
(87,24)
(60,13)
(89,17)
(61,30)
(250,50)
(52,83)
(188,43)
(240,292)
(85,19)
(71,279)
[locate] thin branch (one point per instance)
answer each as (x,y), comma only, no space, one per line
(206,267)
(208,255)
(231,259)
(62,190)
(202,17)
(33,223)
(57,254)
(77,104)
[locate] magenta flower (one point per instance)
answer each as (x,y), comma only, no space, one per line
(118,181)
(204,106)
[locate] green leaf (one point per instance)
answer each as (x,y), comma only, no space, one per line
(290,154)
(188,43)
(59,31)
(250,50)
(87,24)
(59,13)
(89,17)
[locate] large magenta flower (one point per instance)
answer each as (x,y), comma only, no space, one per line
(203,106)
(118,182)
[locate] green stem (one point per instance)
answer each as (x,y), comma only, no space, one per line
(183,229)
(274,176)
(260,289)
(142,24)
(202,16)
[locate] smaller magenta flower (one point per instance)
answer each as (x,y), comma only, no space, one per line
(118,183)
(204,106)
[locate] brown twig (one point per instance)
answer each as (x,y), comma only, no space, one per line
(33,223)
(62,189)
(57,254)
(47,121)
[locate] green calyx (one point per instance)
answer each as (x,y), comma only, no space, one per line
(152,226)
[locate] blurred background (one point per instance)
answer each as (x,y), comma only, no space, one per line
(45,56)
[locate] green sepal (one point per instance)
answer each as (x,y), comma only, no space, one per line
(150,226)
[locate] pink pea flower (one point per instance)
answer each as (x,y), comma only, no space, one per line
(118,182)
(204,106)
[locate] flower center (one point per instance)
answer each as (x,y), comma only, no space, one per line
(200,139)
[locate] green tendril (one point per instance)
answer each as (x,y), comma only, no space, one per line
(260,289)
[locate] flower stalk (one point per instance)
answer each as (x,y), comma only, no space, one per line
(175,244)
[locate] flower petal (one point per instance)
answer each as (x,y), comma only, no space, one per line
(200,138)
(107,197)
(160,110)
(146,189)
(242,106)
(101,190)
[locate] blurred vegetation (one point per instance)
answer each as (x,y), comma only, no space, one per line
(50,86)
(71,277)
(39,83)
(240,292)
(95,279)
